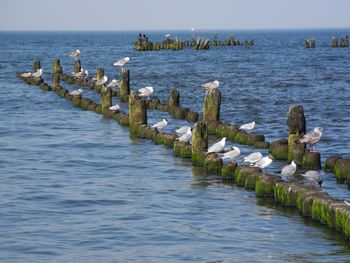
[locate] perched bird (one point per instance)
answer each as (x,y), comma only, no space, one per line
(312,138)
(289,169)
(231,154)
(252,158)
(264,162)
(186,137)
(75,54)
(218,146)
(314,177)
(114,107)
(160,125)
(248,126)
(121,62)
(38,73)
(146,92)
(102,81)
(76,92)
(346,202)
(182,130)
(211,85)
(167,35)
(114,83)
(81,74)
(26,74)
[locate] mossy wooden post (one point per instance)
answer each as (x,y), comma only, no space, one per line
(199,143)
(297,127)
(124,84)
(106,98)
(77,66)
(36,65)
(137,112)
(334,42)
(57,68)
(55,81)
(100,73)
(174,100)
(212,103)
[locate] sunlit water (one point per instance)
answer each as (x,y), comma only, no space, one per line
(74,187)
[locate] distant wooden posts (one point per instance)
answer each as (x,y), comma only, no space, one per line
(106,98)
(137,112)
(202,43)
(77,66)
(334,42)
(57,68)
(36,65)
(199,143)
(310,43)
(342,42)
(124,84)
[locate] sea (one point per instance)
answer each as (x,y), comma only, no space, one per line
(76,187)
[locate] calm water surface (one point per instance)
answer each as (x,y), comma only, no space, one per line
(74,187)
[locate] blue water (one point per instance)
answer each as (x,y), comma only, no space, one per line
(75,187)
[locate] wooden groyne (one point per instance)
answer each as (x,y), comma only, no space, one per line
(340,166)
(310,202)
(342,42)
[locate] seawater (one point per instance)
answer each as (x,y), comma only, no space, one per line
(75,187)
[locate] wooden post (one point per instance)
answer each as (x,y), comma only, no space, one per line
(199,143)
(212,103)
(36,65)
(137,112)
(334,42)
(174,99)
(297,127)
(124,84)
(77,66)
(55,81)
(106,98)
(100,73)
(57,68)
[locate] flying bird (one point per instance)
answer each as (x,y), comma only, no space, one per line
(248,126)
(160,125)
(217,147)
(312,138)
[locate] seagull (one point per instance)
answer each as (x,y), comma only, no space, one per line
(146,92)
(38,73)
(167,35)
(160,125)
(217,147)
(76,92)
(264,162)
(186,137)
(114,83)
(312,138)
(182,130)
(121,62)
(114,107)
(102,81)
(252,158)
(289,169)
(248,126)
(26,74)
(211,85)
(314,177)
(75,54)
(81,74)
(346,202)
(231,154)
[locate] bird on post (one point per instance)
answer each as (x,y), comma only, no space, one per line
(121,62)
(210,86)
(312,138)
(75,54)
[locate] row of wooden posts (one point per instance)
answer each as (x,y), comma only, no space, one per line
(311,202)
(335,42)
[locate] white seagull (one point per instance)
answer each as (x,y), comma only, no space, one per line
(346,202)
(114,107)
(182,130)
(264,162)
(26,74)
(102,81)
(160,125)
(211,85)
(38,73)
(312,138)
(114,83)
(75,54)
(77,92)
(217,147)
(314,177)
(248,126)
(186,137)
(252,158)
(81,74)
(121,62)
(231,154)
(289,169)
(146,92)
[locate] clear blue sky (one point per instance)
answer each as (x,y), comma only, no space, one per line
(178,14)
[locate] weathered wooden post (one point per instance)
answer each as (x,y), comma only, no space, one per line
(334,42)
(100,73)
(77,66)
(297,128)
(106,98)
(57,68)
(55,81)
(124,84)
(211,110)
(137,112)
(199,143)
(174,99)
(36,65)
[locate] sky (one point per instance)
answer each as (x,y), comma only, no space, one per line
(119,15)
